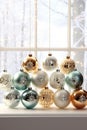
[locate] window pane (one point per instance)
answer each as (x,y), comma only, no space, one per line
(58,23)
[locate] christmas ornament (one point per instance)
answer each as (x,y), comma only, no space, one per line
(21,80)
(74,79)
(57,79)
(30,64)
(40,79)
(29,98)
(50,63)
(12,98)
(79,98)
(46,97)
(62,98)
(67,65)
(5,80)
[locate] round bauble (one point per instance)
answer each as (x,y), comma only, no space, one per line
(5,80)
(67,65)
(57,80)
(74,79)
(79,98)
(40,79)
(46,97)
(50,63)
(30,64)
(62,98)
(29,98)
(21,80)
(12,98)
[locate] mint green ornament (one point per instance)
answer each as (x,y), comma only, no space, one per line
(29,98)
(21,80)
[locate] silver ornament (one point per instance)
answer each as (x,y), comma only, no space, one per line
(40,79)
(5,80)
(57,80)
(61,98)
(12,98)
(50,63)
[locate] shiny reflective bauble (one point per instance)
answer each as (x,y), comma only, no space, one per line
(12,98)
(57,80)
(79,98)
(67,65)
(74,79)
(62,98)
(5,80)
(30,64)
(46,97)
(21,80)
(40,79)
(29,98)
(50,63)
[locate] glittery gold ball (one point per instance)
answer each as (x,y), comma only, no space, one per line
(67,65)
(46,97)
(30,64)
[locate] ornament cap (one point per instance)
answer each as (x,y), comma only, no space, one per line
(49,54)
(4,70)
(68,57)
(30,55)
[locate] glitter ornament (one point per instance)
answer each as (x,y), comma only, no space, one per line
(46,97)
(12,98)
(79,98)
(62,98)
(74,79)
(50,63)
(29,98)
(5,81)
(21,80)
(67,65)
(30,64)
(40,79)
(57,80)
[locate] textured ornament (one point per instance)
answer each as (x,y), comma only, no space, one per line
(74,79)
(62,98)
(12,98)
(40,79)
(50,63)
(21,80)
(79,98)
(29,98)
(46,97)
(57,80)
(67,65)
(30,64)
(5,80)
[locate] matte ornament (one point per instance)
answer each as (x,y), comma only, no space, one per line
(79,99)
(67,65)
(12,98)
(40,79)
(29,98)
(46,97)
(5,80)
(62,98)
(74,79)
(57,80)
(21,80)
(30,64)
(50,63)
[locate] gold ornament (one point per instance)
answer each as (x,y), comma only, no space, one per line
(46,97)
(30,64)
(67,65)
(79,98)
